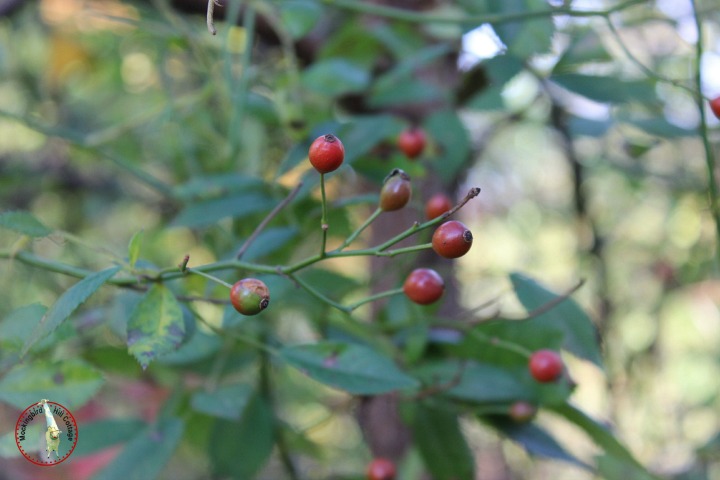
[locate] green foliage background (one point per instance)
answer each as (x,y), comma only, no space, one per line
(130,137)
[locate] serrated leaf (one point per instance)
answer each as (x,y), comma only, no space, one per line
(535,440)
(240,449)
(71,383)
(134,248)
(25,223)
(104,433)
(145,455)
(156,325)
(441,444)
(226,401)
(67,303)
(579,332)
(354,368)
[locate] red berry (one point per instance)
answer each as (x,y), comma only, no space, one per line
(437,205)
(522,412)
(396,191)
(381,469)
(249,296)
(326,153)
(424,286)
(412,141)
(452,239)
(715,106)
(545,365)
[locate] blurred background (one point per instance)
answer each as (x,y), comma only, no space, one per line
(583,131)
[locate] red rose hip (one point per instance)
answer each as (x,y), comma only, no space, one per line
(249,296)
(412,142)
(437,205)
(452,239)
(326,153)
(381,469)
(396,191)
(545,365)
(424,286)
(715,106)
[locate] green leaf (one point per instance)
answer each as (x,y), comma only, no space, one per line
(441,443)
(354,368)
(567,316)
(475,382)
(214,186)
(134,248)
(71,383)
(156,325)
(104,433)
(200,346)
(660,127)
(299,16)
(145,455)
(364,132)
(535,440)
(607,89)
(604,439)
(16,328)
(207,212)
(67,303)
(25,223)
(446,128)
(335,77)
(527,37)
(227,401)
(270,240)
(241,449)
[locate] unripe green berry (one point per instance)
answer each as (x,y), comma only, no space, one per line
(250,296)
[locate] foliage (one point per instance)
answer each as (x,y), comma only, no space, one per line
(166,164)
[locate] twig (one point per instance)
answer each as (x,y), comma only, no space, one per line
(210,21)
(554,302)
(443,387)
(273,213)
(703,130)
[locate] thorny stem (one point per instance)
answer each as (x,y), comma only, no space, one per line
(261,226)
(709,155)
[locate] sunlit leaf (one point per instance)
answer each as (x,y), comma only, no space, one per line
(156,325)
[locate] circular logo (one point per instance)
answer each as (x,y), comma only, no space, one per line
(46,433)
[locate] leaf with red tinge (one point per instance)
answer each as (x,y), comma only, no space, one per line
(156,325)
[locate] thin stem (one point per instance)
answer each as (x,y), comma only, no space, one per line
(497,342)
(647,71)
(315,293)
(360,229)
(372,298)
(240,92)
(209,277)
(500,18)
(261,226)
(249,341)
(709,155)
(323,217)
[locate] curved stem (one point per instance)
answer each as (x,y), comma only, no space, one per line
(372,298)
(360,229)
(323,217)
(315,293)
(208,276)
